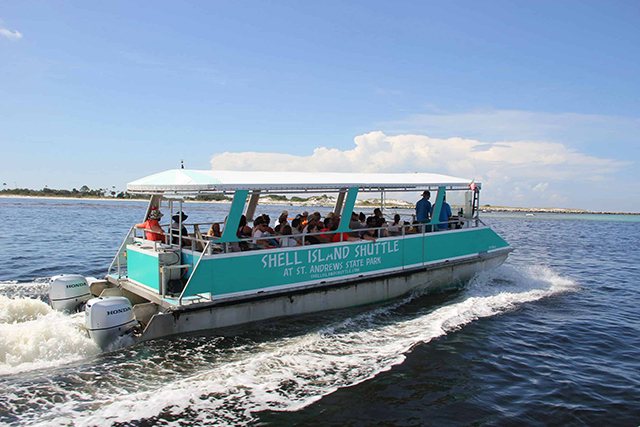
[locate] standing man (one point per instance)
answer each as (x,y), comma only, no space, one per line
(423,208)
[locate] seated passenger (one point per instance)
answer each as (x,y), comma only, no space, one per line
(178,219)
(394,228)
(286,241)
(214,231)
(354,224)
(296,225)
(244,230)
(340,237)
(326,238)
(312,240)
(267,220)
(369,234)
(383,227)
(304,218)
(153,230)
(377,213)
(282,221)
(363,219)
(260,237)
(312,220)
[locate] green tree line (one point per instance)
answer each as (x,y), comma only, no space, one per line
(84,191)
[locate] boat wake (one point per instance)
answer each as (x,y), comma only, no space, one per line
(230,386)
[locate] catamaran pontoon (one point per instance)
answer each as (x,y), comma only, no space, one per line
(156,289)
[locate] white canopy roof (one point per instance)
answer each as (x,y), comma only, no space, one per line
(180,181)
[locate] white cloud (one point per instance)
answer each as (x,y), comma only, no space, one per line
(510,171)
(541,187)
(11,35)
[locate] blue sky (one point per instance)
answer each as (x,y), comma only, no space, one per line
(104,93)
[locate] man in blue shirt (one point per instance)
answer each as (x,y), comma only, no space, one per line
(445,213)
(423,208)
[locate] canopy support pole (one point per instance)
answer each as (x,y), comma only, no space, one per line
(437,207)
(337,209)
(253,203)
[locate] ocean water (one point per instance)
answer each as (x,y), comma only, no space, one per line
(550,338)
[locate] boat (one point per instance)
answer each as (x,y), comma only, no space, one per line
(157,289)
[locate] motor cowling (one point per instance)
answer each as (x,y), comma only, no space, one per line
(67,292)
(107,318)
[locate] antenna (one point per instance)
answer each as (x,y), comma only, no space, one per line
(181,164)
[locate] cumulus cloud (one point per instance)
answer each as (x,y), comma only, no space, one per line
(510,171)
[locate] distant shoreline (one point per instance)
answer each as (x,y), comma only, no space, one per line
(362,204)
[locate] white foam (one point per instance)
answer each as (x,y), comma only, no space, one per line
(33,336)
(292,373)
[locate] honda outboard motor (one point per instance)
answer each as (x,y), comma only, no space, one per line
(67,292)
(107,318)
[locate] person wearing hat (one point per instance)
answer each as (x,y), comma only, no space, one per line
(178,224)
(423,208)
(303,218)
(152,228)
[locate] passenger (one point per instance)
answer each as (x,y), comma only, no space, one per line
(296,226)
(445,213)
(179,218)
(304,218)
(407,227)
(369,234)
(154,232)
(337,237)
(286,240)
(214,231)
(244,230)
(423,208)
(267,220)
(363,219)
(312,220)
(377,213)
(282,221)
(326,238)
(383,227)
(314,239)
(284,216)
(354,224)
(394,228)
(260,237)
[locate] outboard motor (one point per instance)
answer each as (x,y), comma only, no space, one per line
(107,318)
(68,292)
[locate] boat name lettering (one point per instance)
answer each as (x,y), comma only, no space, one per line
(282,259)
(330,256)
(119,310)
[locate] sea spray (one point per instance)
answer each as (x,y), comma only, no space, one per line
(33,336)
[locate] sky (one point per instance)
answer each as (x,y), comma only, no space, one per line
(539,101)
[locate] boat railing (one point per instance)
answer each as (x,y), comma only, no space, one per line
(117,259)
(403,229)
(208,245)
